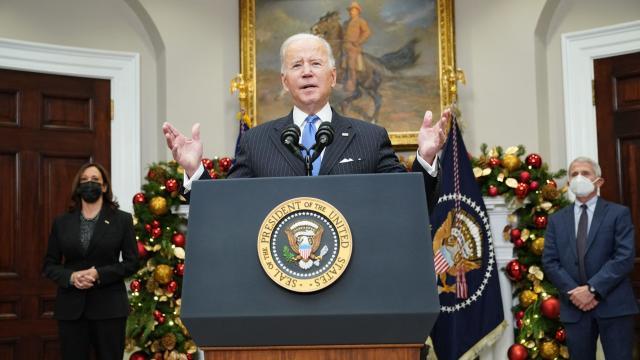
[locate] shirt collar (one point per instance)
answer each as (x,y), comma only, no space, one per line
(325,114)
(591,203)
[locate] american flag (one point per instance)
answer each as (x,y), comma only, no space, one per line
(440,262)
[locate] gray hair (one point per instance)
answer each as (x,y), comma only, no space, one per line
(584,159)
(305,36)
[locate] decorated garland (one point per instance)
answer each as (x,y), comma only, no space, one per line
(530,189)
(154,324)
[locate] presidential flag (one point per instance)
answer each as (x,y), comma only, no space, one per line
(471,314)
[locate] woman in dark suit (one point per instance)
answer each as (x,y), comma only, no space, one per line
(91,250)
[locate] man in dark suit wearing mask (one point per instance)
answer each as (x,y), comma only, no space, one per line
(308,73)
(588,255)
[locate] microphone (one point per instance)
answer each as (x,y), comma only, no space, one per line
(290,138)
(324,135)
(324,138)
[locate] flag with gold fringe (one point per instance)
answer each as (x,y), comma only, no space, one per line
(471,315)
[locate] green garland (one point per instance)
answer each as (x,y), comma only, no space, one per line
(530,189)
(154,326)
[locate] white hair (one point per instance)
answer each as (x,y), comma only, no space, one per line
(305,36)
(584,159)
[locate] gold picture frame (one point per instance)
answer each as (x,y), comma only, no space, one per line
(447,75)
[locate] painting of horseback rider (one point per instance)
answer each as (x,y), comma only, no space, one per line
(386,54)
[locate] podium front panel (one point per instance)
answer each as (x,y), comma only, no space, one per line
(387,295)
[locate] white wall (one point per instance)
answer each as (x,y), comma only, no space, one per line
(189,52)
(509,50)
(571,16)
(511,54)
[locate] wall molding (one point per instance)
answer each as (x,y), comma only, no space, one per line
(122,69)
(579,49)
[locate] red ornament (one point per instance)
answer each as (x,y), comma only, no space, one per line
(519,323)
(207,163)
(147,228)
(189,357)
(135,285)
(492,190)
(178,239)
(561,335)
(540,221)
(155,224)
(534,160)
(525,176)
(494,162)
(156,233)
(515,234)
(172,286)
(142,252)
(552,182)
(171,185)
(179,270)
(213,174)
(139,355)
(158,316)
(139,198)
(518,243)
(534,185)
(517,352)
(550,307)
(521,190)
(520,315)
(224,164)
(515,270)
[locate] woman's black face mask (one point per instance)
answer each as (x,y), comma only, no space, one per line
(89,191)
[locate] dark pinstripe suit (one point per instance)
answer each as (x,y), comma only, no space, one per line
(263,155)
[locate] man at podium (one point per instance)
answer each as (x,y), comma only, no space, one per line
(308,74)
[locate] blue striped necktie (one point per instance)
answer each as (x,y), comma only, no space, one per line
(309,138)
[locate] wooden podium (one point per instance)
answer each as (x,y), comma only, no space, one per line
(382,307)
(338,352)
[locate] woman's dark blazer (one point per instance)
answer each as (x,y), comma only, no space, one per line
(113,234)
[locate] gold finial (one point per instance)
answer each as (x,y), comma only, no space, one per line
(451,76)
(238,84)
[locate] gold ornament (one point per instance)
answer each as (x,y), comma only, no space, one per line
(512,183)
(190,346)
(151,285)
(536,272)
(129,344)
(162,274)
(158,205)
(537,246)
(155,346)
(511,150)
(527,297)
(168,341)
(549,192)
(549,350)
(511,162)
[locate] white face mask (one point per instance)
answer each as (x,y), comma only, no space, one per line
(581,186)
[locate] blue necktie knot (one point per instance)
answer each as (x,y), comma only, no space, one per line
(309,139)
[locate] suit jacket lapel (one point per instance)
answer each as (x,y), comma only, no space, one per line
(104,221)
(333,152)
(570,219)
(74,228)
(274,135)
(598,215)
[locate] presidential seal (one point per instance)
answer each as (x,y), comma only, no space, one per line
(304,244)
